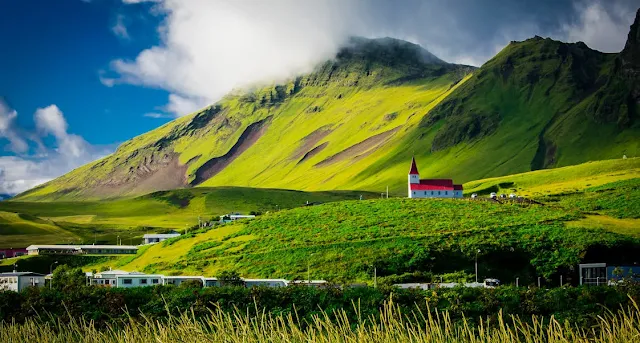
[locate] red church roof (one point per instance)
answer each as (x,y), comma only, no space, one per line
(414,168)
(433,185)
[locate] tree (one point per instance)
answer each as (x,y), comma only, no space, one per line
(66,278)
(227,278)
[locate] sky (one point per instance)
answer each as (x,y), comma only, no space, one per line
(79,77)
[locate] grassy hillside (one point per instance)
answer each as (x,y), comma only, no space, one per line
(595,218)
(355,122)
(24,223)
(559,180)
(342,241)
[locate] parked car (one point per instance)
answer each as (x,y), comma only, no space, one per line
(503,196)
(474,195)
(493,195)
(512,196)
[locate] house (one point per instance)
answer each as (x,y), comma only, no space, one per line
(596,274)
(107,278)
(177,280)
(17,281)
(12,252)
(158,237)
(138,280)
(250,283)
(228,218)
(309,283)
(431,188)
(81,249)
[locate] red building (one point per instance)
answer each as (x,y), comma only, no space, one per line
(12,252)
(431,188)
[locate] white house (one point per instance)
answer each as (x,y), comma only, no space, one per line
(17,281)
(431,188)
(177,280)
(158,237)
(250,283)
(228,218)
(138,280)
(107,278)
(81,249)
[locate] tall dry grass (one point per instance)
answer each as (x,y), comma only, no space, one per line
(389,326)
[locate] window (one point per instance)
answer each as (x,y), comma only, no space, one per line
(155,281)
(143,281)
(438,192)
(446,192)
(126,281)
(425,192)
(431,192)
(414,193)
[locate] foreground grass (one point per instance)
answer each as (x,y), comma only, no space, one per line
(389,325)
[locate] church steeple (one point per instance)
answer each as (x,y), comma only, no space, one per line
(414,167)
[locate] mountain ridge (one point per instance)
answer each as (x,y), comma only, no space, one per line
(355,121)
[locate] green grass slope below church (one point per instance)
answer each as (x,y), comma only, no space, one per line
(25,223)
(342,241)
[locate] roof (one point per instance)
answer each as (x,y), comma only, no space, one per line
(457,187)
(140,276)
(433,185)
(79,247)
(183,277)
(265,280)
(21,274)
(161,235)
(414,167)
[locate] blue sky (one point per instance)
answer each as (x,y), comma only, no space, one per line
(78,77)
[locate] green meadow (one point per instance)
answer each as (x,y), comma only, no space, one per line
(25,223)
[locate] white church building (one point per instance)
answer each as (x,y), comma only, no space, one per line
(431,188)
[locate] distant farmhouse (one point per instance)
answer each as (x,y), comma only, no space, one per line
(81,249)
(158,237)
(228,218)
(12,252)
(18,281)
(431,188)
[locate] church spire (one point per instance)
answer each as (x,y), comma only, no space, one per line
(414,167)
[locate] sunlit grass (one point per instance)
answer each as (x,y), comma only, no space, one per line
(389,325)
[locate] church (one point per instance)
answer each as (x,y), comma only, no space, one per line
(431,188)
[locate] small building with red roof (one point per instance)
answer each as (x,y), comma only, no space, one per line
(431,188)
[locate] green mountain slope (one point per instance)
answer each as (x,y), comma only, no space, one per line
(355,122)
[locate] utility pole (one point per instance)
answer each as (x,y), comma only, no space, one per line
(51,272)
(387,192)
(560,280)
(538,282)
(375,277)
(517,279)
(477,265)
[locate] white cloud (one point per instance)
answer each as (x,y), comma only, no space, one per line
(49,120)
(601,28)
(120,28)
(9,131)
(27,170)
(211,47)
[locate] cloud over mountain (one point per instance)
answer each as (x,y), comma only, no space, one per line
(32,163)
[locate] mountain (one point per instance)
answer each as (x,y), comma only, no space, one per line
(355,122)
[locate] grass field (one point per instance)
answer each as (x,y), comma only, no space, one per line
(569,179)
(390,324)
(343,241)
(25,223)
(590,211)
